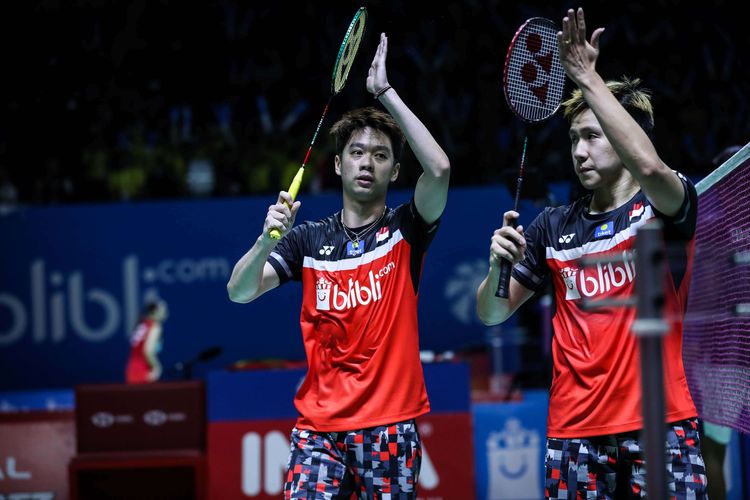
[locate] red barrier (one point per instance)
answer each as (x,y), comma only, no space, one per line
(139,441)
(247,459)
(33,448)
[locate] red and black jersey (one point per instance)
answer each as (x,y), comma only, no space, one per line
(596,386)
(358,319)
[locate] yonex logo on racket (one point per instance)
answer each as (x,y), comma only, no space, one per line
(534,77)
(529,73)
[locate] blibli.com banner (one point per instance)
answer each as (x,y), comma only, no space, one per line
(73,280)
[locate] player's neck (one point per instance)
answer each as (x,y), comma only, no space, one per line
(355,214)
(609,198)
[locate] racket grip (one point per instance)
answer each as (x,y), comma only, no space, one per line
(506,266)
(293,190)
(504,282)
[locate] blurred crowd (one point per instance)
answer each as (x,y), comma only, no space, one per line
(113,100)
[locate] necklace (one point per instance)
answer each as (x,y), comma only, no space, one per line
(355,236)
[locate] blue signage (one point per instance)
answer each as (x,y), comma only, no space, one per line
(509,447)
(74,278)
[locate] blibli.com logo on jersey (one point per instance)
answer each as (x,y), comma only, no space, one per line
(330,296)
(589,282)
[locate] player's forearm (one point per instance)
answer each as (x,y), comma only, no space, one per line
(247,275)
(428,152)
(490,309)
(634,147)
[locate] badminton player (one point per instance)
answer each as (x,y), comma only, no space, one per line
(593,444)
(145,344)
(360,269)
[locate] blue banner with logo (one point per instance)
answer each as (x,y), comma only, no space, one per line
(509,447)
(73,280)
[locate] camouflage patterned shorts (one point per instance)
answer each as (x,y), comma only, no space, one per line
(614,466)
(378,462)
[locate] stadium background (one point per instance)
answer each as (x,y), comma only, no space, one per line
(141,143)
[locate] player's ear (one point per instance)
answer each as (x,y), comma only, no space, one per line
(395,171)
(337,165)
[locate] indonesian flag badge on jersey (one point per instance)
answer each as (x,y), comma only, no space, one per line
(635,213)
(382,235)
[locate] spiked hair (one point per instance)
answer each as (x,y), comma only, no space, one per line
(628,92)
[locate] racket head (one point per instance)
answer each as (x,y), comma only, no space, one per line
(533,76)
(348,50)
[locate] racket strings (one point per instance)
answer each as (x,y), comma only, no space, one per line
(534,76)
(348,50)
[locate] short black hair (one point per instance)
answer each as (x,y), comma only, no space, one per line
(361,118)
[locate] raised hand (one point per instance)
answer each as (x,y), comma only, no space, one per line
(577,55)
(377,79)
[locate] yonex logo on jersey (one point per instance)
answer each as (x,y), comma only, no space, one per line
(566,238)
(606,229)
(355,294)
(587,283)
(326,250)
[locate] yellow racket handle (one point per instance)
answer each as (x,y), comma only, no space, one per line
(293,189)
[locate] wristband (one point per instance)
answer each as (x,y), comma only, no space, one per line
(382,91)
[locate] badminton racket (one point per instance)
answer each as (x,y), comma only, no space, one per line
(533,82)
(344,61)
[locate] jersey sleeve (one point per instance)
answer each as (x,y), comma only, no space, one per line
(678,232)
(681,226)
(288,256)
(532,271)
(416,231)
